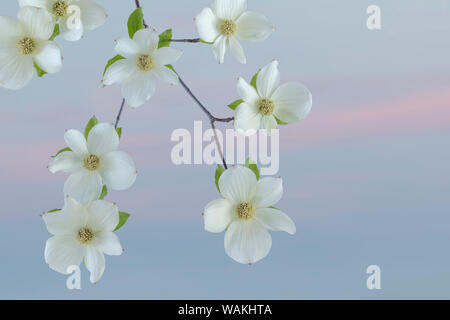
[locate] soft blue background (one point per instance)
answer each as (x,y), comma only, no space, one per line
(366,176)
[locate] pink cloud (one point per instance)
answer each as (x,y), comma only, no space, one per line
(417,112)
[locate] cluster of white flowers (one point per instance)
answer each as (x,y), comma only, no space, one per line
(84,227)
(27,43)
(246,210)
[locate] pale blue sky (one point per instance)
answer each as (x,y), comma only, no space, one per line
(366,176)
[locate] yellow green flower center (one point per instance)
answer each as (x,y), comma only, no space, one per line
(228,28)
(85,235)
(266,107)
(245,211)
(91,162)
(59,8)
(144,62)
(26,45)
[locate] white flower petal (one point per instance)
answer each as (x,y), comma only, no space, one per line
(95,263)
(85,186)
(68,221)
(33,3)
(293,102)
(9,31)
(229,9)
(49,57)
(248,119)
(127,48)
(237,50)
(93,15)
(252,26)
(166,75)
(70,31)
(247,241)
(102,138)
(268,80)
(108,243)
(76,141)
(166,55)
(118,170)
(207,25)
(139,89)
(268,123)
(220,48)
(120,71)
(102,216)
(147,40)
(66,161)
(247,92)
(275,220)
(238,184)
(62,252)
(37,23)
(16,70)
(218,215)
(269,191)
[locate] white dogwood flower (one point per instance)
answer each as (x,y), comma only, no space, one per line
(245,213)
(94,163)
(143,65)
(74,16)
(24,42)
(227,22)
(82,232)
(269,101)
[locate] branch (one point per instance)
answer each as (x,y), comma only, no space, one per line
(196,40)
(120,113)
(212,119)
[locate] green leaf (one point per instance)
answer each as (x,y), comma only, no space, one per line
(104,193)
(56,32)
(61,151)
(170,67)
(54,210)
(280,122)
(235,104)
(274,208)
(220,169)
(252,166)
(112,61)
(92,123)
(119,132)
(255,77)
(135,22)
(39,71)
(123,217)
(165,38)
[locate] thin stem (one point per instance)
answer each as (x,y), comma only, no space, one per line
(212,119)
(196,40)
(219,147)
(119,114)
